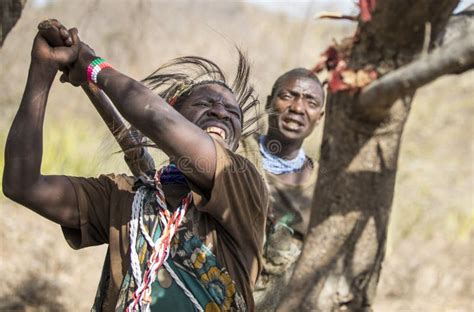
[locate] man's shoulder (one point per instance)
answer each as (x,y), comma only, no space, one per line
(121,182)
(250,150)
(248,171)
(248,147)
(238,163)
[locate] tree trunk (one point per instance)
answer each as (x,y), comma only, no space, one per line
(343,253)
(10,12)
(342,256)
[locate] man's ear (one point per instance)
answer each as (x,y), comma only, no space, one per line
(321,115)
(269,103)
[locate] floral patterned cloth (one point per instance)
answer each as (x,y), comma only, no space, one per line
(193,262)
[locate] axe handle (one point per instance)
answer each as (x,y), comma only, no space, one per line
(138,159)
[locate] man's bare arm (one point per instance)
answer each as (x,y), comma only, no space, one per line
(180,139)
(138,159)
(190,147)
(51,196)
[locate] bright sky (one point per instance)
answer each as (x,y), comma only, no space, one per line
(300,7)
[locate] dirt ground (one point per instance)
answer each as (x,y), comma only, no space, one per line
(434,275)
(41,273)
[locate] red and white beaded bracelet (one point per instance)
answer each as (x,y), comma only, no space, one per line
(94,69)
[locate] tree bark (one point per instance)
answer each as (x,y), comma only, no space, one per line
(340,263)
(10,12)
(342,256)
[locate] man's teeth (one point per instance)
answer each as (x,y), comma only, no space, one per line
(216,130)
(293,125)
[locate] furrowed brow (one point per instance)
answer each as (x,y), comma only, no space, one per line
(309,96)
(295,93)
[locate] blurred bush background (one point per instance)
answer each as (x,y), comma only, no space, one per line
(429,260)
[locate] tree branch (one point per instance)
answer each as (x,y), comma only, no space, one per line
(10,11)
(456,58)
(396,32)
(458,26)
(336,15)
(137,158)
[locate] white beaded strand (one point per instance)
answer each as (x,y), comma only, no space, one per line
(160,253)
(277,165)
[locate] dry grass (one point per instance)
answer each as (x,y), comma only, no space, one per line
(429,261)
(430,237)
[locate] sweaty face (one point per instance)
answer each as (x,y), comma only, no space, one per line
(296,108)
(214,109)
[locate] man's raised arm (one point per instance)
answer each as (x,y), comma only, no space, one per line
(51,196)
(179,138)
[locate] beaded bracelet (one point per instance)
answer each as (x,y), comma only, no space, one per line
(94,69)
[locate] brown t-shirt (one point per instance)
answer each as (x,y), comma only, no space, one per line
(232,221)
(290,203)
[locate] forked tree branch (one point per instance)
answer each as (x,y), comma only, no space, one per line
(454,58)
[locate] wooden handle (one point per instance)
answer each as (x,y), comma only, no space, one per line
(138,159)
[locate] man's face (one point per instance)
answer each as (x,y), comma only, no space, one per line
(296,108)
(214,109)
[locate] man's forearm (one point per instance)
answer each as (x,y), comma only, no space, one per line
(142,108)
(184,142)
(23,149)
(138,159)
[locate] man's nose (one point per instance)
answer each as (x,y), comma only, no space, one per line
(297,106)
(218,110)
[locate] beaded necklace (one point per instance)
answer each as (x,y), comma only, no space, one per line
(277,165)
(169,223)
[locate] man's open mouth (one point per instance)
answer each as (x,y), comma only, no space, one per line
(293,124)
(218,131)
